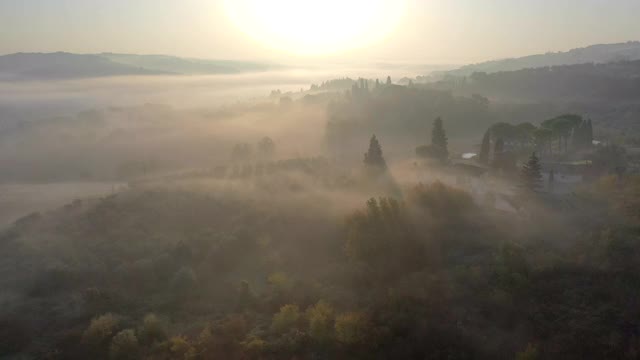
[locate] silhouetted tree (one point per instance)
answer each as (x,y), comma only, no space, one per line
(485,148)
(542,139)
(373,158)
(439,139)
(241,152)
(266,147)
(562,126)
(531,174)
(389,80)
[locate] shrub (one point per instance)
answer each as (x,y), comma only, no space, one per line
(179,347)
(280,282)
(153,329)
(286,318)
(255,347)
(320,317)
(184,280)
(352,328)
(101,329)
(124,345)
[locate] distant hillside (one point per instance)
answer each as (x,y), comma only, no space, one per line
(39,66)
(172,64)
(628,51)
(610,82)
(60,65)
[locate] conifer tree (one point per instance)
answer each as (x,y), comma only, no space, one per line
(532,175)
(373,159)
(485,148)
(439,139)
(388,80)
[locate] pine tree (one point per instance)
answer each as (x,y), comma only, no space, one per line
(373,158)
(485,148)
(532,175)
(388,80)
(439,139)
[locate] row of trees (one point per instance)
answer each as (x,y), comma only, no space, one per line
(531,173)
(561,135)
(265,149)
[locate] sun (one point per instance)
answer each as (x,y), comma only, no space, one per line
(316,27)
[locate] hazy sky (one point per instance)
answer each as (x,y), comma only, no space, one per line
(431,31)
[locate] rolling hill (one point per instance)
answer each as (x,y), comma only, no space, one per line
(598,54)
(61,65)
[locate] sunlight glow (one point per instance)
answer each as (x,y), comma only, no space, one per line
(313,27)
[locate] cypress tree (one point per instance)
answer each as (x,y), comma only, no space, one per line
(439,139)
(485,148)
(373,158)
(532,175)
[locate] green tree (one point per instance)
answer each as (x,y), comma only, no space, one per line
(352,328)
(280,282)
(562,126)
(287,318)
(374,159)
(124,346)
(320,317)
(439,139)
(241,152)
(542,140)
(485,148)
(153,329)
(101,329)
(178,347)
(381,238)
(524,134)
(266,147)
(531,174)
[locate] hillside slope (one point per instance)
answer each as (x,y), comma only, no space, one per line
(602,53)
(60,65)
